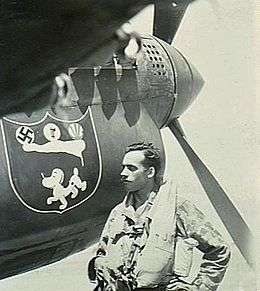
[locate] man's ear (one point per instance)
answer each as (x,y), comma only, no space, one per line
(151,172)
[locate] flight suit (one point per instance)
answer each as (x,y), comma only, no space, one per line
(158,240)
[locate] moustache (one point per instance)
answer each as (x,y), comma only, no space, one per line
(123,180)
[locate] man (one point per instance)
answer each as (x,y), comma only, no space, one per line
(148,239)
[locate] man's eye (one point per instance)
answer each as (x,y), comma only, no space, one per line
(132,168)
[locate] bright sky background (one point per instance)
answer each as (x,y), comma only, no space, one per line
(222,125)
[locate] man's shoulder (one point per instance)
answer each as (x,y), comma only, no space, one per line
(167,190)
(118,208)
(184,202)
(187,208)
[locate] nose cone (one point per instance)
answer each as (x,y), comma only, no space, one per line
(188,81)
(197,83)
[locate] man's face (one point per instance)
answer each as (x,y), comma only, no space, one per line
(134,175)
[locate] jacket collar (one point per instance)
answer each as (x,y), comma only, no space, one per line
(145,210)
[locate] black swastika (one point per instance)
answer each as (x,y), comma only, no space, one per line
(25,134)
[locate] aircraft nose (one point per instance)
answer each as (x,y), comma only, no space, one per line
(187,81)
(197,83)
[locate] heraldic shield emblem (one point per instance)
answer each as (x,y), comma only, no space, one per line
(54,165)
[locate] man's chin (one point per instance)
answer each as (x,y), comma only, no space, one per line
(128,187)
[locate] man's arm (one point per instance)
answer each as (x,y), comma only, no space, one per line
(102,246)
(192,223)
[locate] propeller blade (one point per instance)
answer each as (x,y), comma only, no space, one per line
(228,213)
(167,18)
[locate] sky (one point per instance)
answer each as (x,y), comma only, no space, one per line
(222,125)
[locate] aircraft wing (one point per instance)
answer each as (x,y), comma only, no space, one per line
(42,39)
(167,18)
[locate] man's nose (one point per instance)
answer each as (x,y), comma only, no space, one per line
(124,173)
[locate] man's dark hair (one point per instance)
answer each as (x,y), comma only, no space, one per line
(152,159)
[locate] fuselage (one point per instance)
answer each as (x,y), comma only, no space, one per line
(60,169)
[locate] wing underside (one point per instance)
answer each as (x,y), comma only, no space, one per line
(168,16)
